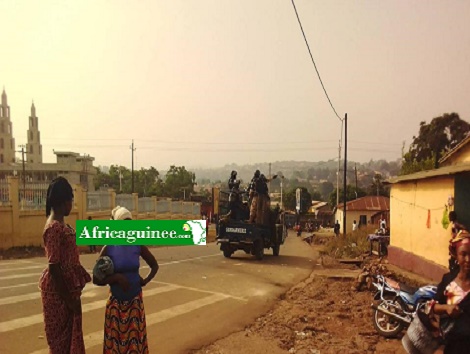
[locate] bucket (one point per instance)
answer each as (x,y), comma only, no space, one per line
(419,339)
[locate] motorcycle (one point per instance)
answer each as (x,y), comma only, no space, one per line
(396,305)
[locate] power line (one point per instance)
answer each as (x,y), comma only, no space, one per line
(313,61)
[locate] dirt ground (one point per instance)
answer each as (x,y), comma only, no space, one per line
(322,315)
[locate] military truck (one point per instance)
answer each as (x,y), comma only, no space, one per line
(234,233)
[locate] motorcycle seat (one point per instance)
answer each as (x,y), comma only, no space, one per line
(408,289)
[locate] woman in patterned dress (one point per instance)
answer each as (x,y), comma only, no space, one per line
(125,327)
(62,282)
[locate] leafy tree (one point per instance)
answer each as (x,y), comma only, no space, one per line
(351,194)
(377,187)
(289,200)
(433,141)
(179,181)
(325,189)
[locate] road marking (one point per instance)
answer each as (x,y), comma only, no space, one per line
(20,276)
(96,338)
(188,259)
(204,291)
(11,325)
(18,286)
(15,262)
(33,296)
(17,276)
(23,268)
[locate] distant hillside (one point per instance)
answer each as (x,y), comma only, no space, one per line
(322,170)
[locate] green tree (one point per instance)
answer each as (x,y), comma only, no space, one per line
(377,187)
(179,182)
(351,194)
(325,189)
(442,134)
(290,202)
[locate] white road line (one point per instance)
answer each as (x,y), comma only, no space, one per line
(23,268)
(33,296)
(96,338)
(17,276)
(203,291)
(15,262)
(11,325)
(20,276)
(18,286)
(187,259)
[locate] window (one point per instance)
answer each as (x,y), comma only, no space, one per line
(31,149)
(11,144)
(31,122)
(1,158)
(1,143)
(30,135)
(2,128)
(9,128)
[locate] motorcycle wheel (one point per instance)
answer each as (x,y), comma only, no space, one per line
(386,326)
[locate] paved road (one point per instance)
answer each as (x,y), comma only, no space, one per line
(197,297)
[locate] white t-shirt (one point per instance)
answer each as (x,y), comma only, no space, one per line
(354,226)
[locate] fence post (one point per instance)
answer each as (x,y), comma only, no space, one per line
(135,199)
(154,202)
(112,195)
(13,192)
(79,198)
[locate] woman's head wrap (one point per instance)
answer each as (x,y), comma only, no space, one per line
(121,213)
(58,192)
(462,238)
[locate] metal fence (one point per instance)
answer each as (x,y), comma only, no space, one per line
(33,195)
(197,209)
(176,208)
(4,192)
(100,200)
(163,206)
(126,201)
(146,204)
(187,208)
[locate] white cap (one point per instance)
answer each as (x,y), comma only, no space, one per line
(121,213)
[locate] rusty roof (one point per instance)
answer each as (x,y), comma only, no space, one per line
(368,203)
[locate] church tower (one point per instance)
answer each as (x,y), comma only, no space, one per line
(7,143)
(33,147)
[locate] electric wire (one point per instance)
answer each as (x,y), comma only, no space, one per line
(313,61)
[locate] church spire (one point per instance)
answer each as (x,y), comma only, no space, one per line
(4,97)
(33,110)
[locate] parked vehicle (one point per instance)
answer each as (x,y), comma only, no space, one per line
(396,304)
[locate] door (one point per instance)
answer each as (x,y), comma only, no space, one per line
(462,198)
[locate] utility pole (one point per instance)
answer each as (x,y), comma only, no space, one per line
(355,172)
(132,173)
(120,180)
(337,174)
(345,169)
(269,183)
(24,169)
(282,205)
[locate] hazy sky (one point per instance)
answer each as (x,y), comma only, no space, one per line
(204,83)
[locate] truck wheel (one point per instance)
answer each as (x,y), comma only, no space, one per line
(276,249)
(259,250)
(227,253)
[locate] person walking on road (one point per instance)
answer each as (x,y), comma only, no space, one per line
(125,326)
(62,282)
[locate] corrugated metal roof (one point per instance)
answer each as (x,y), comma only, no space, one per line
(442,171)
(368,203)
